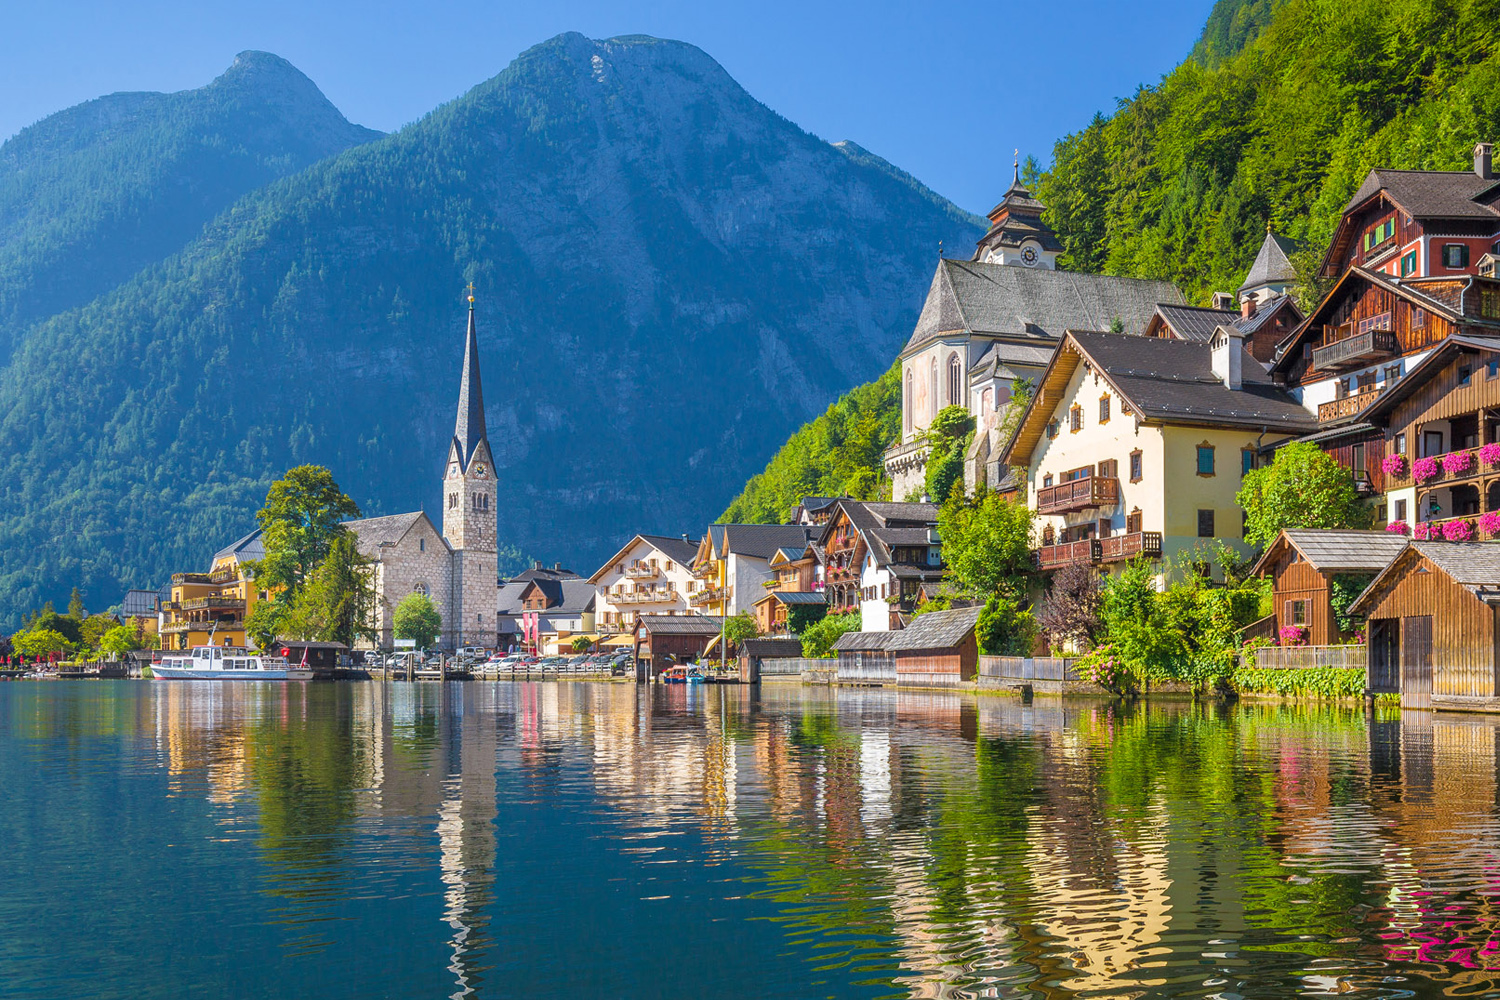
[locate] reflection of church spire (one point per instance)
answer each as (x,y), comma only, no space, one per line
(466,839)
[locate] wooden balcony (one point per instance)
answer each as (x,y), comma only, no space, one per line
(640,571)
(228,603)
(1068,554)
(644,595)
(1080,494)
(1362,348)
(708,595)
(1348,406)
(1122,548)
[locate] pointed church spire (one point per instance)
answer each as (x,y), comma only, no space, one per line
(469,430)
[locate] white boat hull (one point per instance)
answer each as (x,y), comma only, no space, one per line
(163,673)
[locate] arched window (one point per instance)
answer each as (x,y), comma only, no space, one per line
(906,406)
(955,381)
(420,588)
(933,389)
(986,402)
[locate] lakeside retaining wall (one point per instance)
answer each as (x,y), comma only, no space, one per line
(1042,673)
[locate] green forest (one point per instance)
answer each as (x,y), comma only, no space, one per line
(1276,117)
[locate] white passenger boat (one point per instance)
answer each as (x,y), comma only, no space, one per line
(227,663)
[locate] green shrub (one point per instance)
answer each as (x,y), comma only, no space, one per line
(1318,682)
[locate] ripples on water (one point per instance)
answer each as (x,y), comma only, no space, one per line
(577,840)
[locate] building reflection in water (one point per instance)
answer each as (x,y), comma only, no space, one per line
(950,846)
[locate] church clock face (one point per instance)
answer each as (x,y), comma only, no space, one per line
(479,470)
(1029,256)
(453,469)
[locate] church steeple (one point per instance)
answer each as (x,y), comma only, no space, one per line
(469,431)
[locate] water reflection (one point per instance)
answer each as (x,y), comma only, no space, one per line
(575,839)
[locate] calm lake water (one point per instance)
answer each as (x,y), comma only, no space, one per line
(577,840)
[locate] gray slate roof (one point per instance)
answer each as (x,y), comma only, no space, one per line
(374,532)
(771,647)
(885,525)
(1032,303)
(1273,265)
(678,549)
(248,548)
(862,642)
(1473,564)
(566,592)
(759,541)
(797,596)
(682,624)
(936,630)
(1430,194)
(1196,323)
(1174,380)
(1000,354)
(1331,551)
(1267,311)
(138,603)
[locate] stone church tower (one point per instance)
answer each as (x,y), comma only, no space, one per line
(469,510)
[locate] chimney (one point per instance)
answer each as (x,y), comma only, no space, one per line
(557,565)
(537,564)
(1248,307)
(1483,164)
(1228,350)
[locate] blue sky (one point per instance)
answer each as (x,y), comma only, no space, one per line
(945,91)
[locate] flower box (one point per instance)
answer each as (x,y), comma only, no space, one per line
(1424,469)
(1398,528)
(1394,466)
(1489,454)
(1421,531)
(1456,463)
(1292,635)
(1490,523)
(1458,531)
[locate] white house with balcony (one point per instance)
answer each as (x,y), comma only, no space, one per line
(650,575)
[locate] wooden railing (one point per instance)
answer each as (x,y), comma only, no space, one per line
(1119,548)
(645,595)
(1348,406)
(1361,347)
(640,571)
(1068,554)
(230,603)
(706,596)
(1080,494)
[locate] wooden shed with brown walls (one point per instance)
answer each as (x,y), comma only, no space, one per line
(938,649)
(1432,626)
(662,639)
(1302,564)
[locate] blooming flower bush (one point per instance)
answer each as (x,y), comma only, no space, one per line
(1395,465)
(1456,463)
(1489,454)
(1104,666)
(1293,635)
(1424,469)
(1398,528)
(1490,523)
(1459,531)
(1421,531)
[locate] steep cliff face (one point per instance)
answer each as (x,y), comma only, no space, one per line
(91,195)
(670,276)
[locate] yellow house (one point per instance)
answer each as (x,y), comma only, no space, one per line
(1137,446)
(210,608)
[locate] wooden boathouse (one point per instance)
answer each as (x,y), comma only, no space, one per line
(1432,626)
(938,649)
(1302,565)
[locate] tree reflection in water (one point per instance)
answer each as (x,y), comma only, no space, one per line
(801,841)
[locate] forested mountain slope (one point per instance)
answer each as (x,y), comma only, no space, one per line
(1181,180)
(1277,116)
(670,279)
(91,195)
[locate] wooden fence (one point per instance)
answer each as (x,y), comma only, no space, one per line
(792,666)
(867,668)
(1304,657)
(1026,669)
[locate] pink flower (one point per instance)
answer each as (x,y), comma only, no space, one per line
(1489,454)
(1394,466)
(1291,635)
(1490,523)
(1421,531)
(1399,528)
(1458,531)
(1456,463)
(1424,469)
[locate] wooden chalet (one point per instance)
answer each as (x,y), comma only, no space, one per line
(1262,326)
(771,610)
(1432,628)
(1419,223)
(1302,565)
(880,559)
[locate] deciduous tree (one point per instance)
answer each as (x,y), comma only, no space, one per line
(298,523)
(986,543)
(416,617)
(1303,487)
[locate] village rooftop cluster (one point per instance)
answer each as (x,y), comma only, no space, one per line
(1124,418)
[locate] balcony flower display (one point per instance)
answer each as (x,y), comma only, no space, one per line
(1421,531)
(1292,635)
(1424,469)
(1398,528)
(1459,531)
(1489,454)
(1394,466)
(1489,523)
(1456,463)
